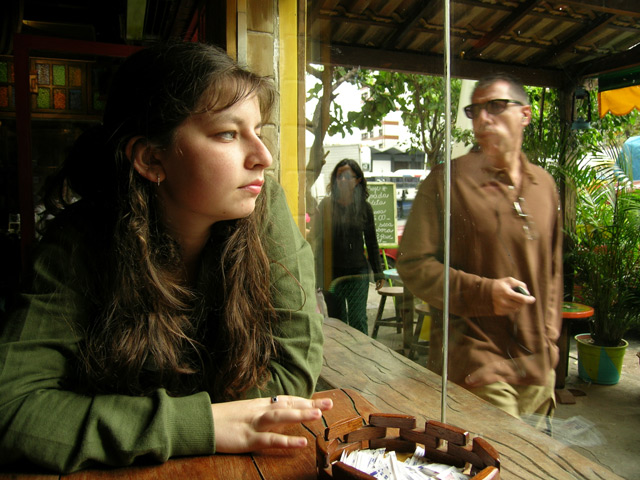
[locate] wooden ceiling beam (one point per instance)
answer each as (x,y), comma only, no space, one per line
(424,8)
(313,10)
(392,60)
(541,68)
(504,26)
(548,57)
(617,7)
(530,43)
(611,63)
(338,18)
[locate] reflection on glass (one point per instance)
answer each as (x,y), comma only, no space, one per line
(511,227)
(340,228)
(506,235)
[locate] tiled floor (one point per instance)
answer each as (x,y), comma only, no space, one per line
(607,417)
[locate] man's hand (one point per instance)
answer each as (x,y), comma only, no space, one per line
(505,299)
(249,425)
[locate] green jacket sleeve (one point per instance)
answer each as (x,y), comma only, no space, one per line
(299,329)
(42,422)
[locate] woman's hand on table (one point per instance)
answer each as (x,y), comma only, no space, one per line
(248,425)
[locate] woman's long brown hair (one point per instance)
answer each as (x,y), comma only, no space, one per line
(146,319)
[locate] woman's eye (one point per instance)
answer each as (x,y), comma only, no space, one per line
(227,135)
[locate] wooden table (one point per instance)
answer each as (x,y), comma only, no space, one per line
(570,311)
(395,384)
(358,384)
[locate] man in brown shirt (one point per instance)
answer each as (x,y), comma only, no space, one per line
(506,234)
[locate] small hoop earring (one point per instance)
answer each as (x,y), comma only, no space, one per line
(158,180)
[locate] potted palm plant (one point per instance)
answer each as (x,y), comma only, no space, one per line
(606,257)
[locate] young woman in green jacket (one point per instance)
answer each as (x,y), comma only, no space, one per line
(171,308)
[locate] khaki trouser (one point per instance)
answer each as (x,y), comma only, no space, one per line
(533,403)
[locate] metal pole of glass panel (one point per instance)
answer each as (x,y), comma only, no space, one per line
(447,206)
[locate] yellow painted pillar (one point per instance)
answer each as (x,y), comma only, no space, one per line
(292,161)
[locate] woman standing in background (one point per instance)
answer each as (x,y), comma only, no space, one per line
(342,226)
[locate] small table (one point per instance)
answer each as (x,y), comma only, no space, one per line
(570,311)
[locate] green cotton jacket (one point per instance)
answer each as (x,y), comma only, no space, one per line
(43,423)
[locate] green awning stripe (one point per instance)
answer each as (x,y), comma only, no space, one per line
(621,79)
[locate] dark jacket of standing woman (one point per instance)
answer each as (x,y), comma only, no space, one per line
(347,240)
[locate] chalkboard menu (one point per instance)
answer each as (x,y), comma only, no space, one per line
(382,197)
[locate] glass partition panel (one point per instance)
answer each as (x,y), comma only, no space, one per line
(525,191)
(537,205)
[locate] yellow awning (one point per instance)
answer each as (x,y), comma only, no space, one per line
(619,101)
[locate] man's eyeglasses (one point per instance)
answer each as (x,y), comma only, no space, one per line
(494,107)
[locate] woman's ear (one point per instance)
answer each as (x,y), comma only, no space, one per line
(144,159)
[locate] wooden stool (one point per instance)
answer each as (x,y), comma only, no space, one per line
(419,346)
(396,320)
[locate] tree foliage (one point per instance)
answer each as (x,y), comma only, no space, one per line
(327,116)
(605,252)
(601,241)
(549,137)
(420,100)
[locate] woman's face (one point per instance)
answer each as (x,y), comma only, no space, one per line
(214,170)
(346,180)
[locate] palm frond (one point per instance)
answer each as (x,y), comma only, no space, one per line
(606,253)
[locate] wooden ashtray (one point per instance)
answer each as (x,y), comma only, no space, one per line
(442,443)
